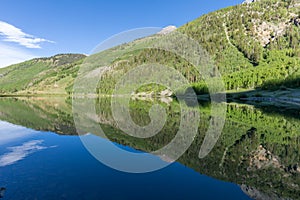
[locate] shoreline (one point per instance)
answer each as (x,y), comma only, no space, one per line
(286,96)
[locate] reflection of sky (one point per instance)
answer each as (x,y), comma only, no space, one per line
(10,132)
(76,168)
(18,153)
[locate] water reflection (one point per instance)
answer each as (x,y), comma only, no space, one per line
(257,150)
(17,153)
(10,132)
(69,172)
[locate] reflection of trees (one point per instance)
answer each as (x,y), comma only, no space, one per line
(257,149)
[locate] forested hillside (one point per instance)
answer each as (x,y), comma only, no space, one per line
(254,45)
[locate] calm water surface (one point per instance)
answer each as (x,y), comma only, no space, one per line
(41,157)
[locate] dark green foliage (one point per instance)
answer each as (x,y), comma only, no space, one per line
(252,45)
(233,39)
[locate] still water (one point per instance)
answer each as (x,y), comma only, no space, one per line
(42,157)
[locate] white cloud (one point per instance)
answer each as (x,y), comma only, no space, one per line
(11,55)
(11,33)
(18,153)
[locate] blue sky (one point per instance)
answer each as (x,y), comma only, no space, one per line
(37,28)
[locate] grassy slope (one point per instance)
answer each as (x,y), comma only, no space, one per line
(43,75)
(235,37)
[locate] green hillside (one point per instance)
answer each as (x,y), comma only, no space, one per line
(41,75)
(252,43)
(253,46)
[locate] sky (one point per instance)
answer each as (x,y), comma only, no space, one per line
(39,28)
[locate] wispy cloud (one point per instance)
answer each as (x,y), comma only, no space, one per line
(11,33)
(18,153)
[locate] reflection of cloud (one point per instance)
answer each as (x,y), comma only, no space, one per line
(18,153)
(10,132)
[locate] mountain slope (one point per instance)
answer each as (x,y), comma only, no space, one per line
(254,45)
(251,43)
(49,75)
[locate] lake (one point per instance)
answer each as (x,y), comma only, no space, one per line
(43,157)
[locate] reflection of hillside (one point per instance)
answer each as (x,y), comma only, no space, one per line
(257,149)
(47,114)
